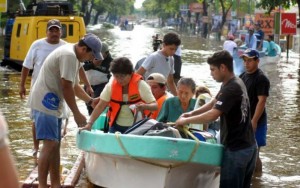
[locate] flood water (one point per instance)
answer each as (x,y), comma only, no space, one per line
(281,156)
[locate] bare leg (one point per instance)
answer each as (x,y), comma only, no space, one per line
(47,155)
(55,168)
(35,141)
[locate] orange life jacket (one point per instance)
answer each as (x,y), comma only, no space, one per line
(160,102)
(117,97)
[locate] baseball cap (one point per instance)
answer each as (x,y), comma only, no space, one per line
(156,78)
(104,47)
(93,42)
(53,23)
(250,53)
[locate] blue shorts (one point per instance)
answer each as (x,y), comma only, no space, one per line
(261,134)
(47,127)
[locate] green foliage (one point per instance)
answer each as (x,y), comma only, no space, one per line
(270,5)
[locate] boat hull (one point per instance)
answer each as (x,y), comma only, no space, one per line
(112,160)
(116,171)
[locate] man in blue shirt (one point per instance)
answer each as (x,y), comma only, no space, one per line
(260,35)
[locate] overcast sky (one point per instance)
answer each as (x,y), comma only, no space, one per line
(138,3)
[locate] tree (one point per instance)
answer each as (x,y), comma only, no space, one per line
(270,5)
(225,7)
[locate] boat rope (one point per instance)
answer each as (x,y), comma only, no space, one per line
(186,131)
(117,134)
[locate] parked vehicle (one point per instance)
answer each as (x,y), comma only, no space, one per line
(30,24)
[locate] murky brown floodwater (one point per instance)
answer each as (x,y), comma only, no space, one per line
(281,157)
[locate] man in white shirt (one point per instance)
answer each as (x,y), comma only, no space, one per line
(57,85)
(250,39)
(34,60)
(229,45)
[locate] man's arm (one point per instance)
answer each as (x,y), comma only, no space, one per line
(147,106)
(81,94)
(22,89)
(204,108)
(205,117)
(141,71)
(95,114)
(69,96)
(258,110)
(171,84)
(86,82)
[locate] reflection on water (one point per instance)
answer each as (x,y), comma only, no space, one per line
(281,157)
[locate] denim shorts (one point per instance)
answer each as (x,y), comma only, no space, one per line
(48,127)
(237,167)
(261,134)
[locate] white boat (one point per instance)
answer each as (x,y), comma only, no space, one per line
(123,160)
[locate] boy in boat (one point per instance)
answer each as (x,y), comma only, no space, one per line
(162,61)
(258,86)
(57,85)
(232,105)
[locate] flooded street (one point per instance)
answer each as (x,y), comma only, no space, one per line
(281,156)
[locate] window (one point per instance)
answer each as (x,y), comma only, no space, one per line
(64,31)
(19,30)
(71,30)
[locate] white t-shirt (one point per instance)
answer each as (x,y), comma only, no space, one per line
(178,51)
(46,94)
(125,117)
(37,54)
(229,46)
(96,77)
(158,63)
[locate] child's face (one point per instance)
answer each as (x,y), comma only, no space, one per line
(169,49)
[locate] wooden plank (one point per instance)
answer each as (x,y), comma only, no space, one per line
(73,177)
(68,181)
(31,181)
